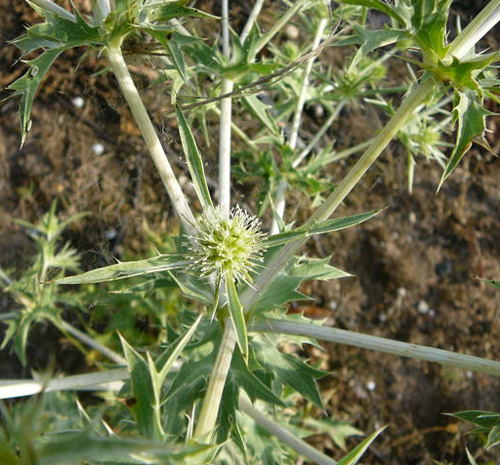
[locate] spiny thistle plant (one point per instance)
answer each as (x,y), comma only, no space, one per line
(192,400)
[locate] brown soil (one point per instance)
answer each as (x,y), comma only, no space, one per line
(416,264)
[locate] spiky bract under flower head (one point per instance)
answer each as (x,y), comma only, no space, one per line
(226,243)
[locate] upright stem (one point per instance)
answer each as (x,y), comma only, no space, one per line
(150,136)
(267,37)
(211,402)
(380,142)
(257,7)
(225,120)
(280,200)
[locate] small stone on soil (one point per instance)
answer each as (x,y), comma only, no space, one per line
(97,148)
(78,102)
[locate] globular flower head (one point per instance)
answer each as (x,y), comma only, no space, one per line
(226,243)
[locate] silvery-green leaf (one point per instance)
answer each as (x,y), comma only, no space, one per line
(128,269)
(194,161)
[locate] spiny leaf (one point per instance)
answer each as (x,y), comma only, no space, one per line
(194,160)
(290,370)
(57,32)
(177,9)
(429,26)
(55,36)
(471,123)
(67,448)
(252,385)
(127,269)
(165,363)
(493,437)
(284,288)
(237,316)
(320,227)
(480,418)
(260,111)
(492,282)
(355,454)
(27,85)
(142,391)
(337,430)
(377,5)
(462,74)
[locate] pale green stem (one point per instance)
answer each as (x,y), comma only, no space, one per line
(101,9)
(179,27)
(131,94)
(300,446)
(268,36)
(54,8)
(81,336)
(475,30)
(280,199)
(8,315)
(225,147)
(211,403)
(319,134)
(104,380)
(379,143)
(348,152)
(225,120)
(416,97)
(112,355)
(257,7)
(380,344)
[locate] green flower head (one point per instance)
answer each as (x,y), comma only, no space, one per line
(226,243)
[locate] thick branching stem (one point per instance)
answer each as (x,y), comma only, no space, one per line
(380,344)
(211,402)
(379,143)
(148,131)
(475,30)
(284,435)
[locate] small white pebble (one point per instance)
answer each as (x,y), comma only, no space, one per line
(432,312)
(78,102)
(382,317)
(98,148)
(469,374)
(401,292)
(319,111)
(412,218)
(423,307)
(333,305)
(370,385)
(292,32)
(110,234)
